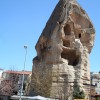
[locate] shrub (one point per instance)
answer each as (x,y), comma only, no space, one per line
(98,98)
(77,93)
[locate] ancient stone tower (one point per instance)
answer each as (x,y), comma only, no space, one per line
(64,46)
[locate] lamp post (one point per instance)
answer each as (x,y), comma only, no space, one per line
(21,91)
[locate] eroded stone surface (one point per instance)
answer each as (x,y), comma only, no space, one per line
(66,43)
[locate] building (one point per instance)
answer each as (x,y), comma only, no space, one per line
(95,80)
(12,81)
(92,92)
(1,71)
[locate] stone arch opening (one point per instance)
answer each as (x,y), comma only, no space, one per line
(79,35)
(67,29)
(71,56)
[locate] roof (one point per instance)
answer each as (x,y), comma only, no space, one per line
(97,95)
(18,72)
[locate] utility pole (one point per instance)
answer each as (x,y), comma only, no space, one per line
(21,91)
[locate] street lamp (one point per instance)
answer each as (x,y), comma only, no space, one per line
(25,47)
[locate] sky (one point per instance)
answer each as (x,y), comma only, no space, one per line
(22,22)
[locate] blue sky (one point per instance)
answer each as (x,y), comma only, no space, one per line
(22,21)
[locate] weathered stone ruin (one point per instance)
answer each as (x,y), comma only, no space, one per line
(64,46)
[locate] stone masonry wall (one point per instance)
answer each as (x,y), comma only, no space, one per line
(65,45)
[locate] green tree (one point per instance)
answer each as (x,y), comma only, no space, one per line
(77,93)
(98,98)
(99,72)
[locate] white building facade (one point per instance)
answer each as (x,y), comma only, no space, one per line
(1,71)
(95,80)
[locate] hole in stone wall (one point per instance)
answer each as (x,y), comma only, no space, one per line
(59,23)
(79,35)
(64,6)
(71,56)
(67,29)
(66,43)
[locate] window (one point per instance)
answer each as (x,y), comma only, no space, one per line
(79,35)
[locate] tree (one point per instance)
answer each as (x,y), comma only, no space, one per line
(77,93)
(99,72)
(98,98)
(27,88)
(9,86)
